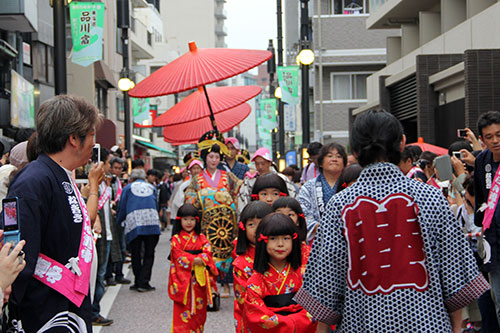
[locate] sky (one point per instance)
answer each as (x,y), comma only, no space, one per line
(250,24)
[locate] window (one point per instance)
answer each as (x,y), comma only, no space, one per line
(120,109)
(349,86)
(350,7)
(43,62)
(101,96)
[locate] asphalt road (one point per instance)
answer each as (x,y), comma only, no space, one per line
(152,311)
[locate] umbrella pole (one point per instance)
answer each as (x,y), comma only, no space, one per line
(212,118)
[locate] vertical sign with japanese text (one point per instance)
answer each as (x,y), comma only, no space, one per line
(22,101)
(288,79)
(87,19)
(140,107)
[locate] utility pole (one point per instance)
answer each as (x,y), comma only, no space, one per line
(59,47)
(281,120)
(305,43)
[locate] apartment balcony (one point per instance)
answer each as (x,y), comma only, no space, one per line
(220,13)
(220,30)
(19,15)
(141,40)
(390,14)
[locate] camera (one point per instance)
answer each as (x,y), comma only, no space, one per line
(461,133)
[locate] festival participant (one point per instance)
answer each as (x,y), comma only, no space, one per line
(11,264)
(263,164)
(276,279)
(230,164)
(213,192)
(315,193)
(388,242)
(291,208)
(190,270)
(311,170)
(268,188)
(53,291)
(245,250)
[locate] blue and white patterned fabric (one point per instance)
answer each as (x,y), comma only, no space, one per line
(368,234)
(311,200)
(239,169)
(328,191)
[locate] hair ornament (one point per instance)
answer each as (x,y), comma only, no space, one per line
(344,185)
(301,215)
(197,218)
(283,194)
(255,197)
(262,238)
(294,235)
(178,218)
(241,226)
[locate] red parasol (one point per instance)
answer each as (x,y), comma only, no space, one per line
(195,105)
(190,132)
(196,68)
(429,147)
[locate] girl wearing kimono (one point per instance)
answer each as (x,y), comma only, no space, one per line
(277,277)
(251,216)
(191,267)
(291,207)
(268,188)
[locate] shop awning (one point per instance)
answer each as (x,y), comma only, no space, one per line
(104,75)
(152,146)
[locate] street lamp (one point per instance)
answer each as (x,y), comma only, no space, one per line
(305,57)
(277,93)
(125,84)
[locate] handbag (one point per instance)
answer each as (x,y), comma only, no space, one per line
(216,303)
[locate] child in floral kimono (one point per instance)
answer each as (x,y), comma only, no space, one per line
(277,277)
(291,207)
(190,270)
(251,216)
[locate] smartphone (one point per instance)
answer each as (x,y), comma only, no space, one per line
(444,168)
(461,133)
(82,173)
(10,211)
(458,154)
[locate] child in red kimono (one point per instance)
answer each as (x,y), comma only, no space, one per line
(291,207)
(268,188)
(277,277)
(190,270)
(245,251)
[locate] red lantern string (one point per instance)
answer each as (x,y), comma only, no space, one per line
(262,238)
(241,225)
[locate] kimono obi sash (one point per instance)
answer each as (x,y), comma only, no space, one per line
(282,301)
(73,279)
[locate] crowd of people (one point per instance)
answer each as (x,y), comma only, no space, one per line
(372,241)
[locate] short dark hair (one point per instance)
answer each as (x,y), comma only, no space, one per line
(329,147)
(137,163)
(415,152)
(458,145)
(61,116)
(288,171)
(349,174)
(314,148)
(469,184)
(376,136)
(406,154)
(104,154)
(186,210)
(293,204)
(487,119)
(276,225)
(151,172)
(270,180)
(115,160)
(255,209)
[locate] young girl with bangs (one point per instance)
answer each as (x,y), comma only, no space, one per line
(250,218)
(291,207)
(268,188)
(191,268)
(277,277)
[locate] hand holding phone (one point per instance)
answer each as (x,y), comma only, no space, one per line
(11,228)
(443,167)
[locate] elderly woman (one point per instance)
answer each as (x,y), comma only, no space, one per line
(316,192)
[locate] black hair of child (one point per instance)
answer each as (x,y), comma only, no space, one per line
(349,174)
(255,209)
(270,180)
(276,225)
(186,210)
(293,204)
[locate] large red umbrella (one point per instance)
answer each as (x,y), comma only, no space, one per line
(190,132)
(196,68)
(429,147)
(195,105)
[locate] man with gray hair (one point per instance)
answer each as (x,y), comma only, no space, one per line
(138,211)
(53,292)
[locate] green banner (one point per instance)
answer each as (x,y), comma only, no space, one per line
(268,107)
(140,107)
(87,19)
(288,80)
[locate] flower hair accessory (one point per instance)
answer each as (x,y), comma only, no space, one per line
(282,194)
(301,215)
(197,218)
(178,218)
(294,236)
(241,225)
(262,238)
(344,185)
(255,197)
